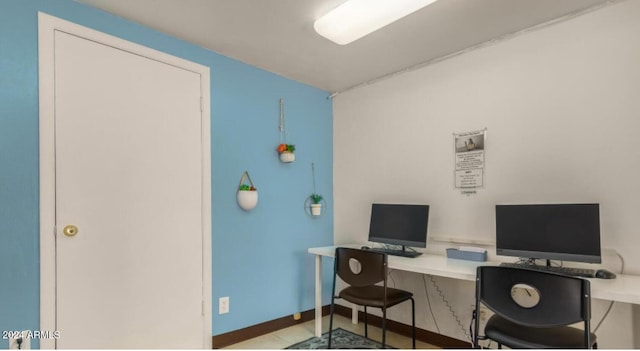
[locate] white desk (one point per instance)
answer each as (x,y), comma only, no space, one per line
(625,288)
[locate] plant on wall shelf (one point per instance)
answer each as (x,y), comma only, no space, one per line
(286,152)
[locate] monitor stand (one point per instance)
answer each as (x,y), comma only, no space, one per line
(407,253)
(399,252)
(404,250)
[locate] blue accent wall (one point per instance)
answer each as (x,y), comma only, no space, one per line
(260,257)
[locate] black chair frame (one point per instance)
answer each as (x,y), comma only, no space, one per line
(563,300)
(363,290)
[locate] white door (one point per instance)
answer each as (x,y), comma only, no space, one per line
(128,175)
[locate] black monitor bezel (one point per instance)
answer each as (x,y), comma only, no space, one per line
(548,255)
(393,241)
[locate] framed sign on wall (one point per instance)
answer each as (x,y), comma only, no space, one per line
(469,157)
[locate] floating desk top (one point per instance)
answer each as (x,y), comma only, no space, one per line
(624,288)
(426,263)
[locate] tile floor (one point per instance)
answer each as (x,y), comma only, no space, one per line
(294,334)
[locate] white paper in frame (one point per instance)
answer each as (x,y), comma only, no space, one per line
(469,161)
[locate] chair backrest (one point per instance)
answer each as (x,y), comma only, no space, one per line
(373,266)
(563,299)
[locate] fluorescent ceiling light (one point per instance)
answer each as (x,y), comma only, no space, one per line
(356,18)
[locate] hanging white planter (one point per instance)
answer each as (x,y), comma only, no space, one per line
(313,204)
(247,199)
(316,209)
(285,151)
(247,195)
(287,156)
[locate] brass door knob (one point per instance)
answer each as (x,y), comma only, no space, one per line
(70,230)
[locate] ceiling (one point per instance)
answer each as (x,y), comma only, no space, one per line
(278,35)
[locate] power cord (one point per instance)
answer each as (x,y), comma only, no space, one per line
(473,318)
(612,302)
(19,342)
(446,302)
(474,315)
(391,277)
(426,292)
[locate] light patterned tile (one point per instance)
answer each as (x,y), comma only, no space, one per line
(301,332)
(294,334)
(264,342)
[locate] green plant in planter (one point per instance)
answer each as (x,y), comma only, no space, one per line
(316,198)
(246,187)
(286,148)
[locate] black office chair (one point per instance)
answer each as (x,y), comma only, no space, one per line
(533,323)
(362,289)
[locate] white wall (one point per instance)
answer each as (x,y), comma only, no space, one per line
(562,109)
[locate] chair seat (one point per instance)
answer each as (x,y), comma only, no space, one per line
(373,295)
(519,337)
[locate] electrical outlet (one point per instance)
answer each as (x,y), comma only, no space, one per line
(26,342)
(223,305)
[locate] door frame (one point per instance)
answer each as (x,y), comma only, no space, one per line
(47,26)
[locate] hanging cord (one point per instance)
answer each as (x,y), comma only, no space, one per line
(313,176)
(281,126)
(612,302)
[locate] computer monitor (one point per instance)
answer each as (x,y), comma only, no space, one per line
(399,224)
(568,232)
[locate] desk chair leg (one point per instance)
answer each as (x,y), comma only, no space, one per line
(384,326)
(333,297)
(330,321)
(366,334)
(413,322)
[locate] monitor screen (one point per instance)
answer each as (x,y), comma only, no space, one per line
(399,224)
(568,232)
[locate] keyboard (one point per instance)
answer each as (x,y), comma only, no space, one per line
(396,252)
(574,272)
